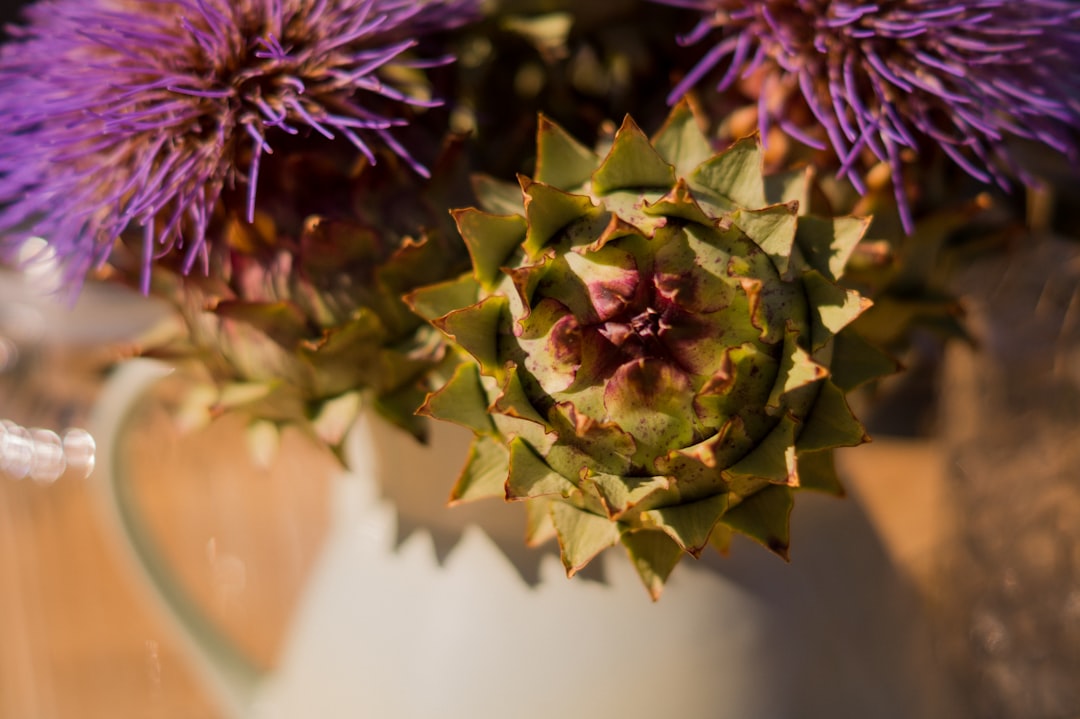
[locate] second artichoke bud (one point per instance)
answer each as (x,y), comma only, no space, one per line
(654,347)
(300,319)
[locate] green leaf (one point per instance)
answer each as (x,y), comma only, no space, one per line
(538,525)
(690,271)
(400,407)
(616,228)
(335,416)
(513,402)
(679,202)
(562,161)
(461,400)
(735,174)
(435,301)
(498,197)
(196,408)
(856,361)
(757,310)
(827,243)
(695,468)
(688,524)
(817,471)
(237,394)
(633,163)
(548,211)
(651,400)
(586,442)
(790,186)
(681,141)
(654,555)
(720,539)
(620,494)
(283,322)
(592,285)
(476,329)
(831,307)
(530,476)
(484,474)
(737,390)
(765,518)
(610,278)
(772,229)
(351,353)
(773,458)
(551,339)
(890,320)
(582,535)
(491,240)
(831,423)
(797,370)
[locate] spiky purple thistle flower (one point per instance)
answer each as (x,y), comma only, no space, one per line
(140,113)
(964,74)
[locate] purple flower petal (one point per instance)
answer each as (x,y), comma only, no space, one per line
(117,114)
(963,74)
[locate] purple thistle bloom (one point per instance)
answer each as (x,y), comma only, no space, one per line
(964,74)
(129,113)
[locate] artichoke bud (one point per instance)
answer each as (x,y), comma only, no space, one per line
(650,346)
(299,315)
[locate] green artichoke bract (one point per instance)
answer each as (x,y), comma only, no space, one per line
(653,348)
(299,318)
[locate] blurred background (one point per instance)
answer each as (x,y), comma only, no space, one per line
(972,481)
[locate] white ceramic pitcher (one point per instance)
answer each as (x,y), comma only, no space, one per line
(409,632)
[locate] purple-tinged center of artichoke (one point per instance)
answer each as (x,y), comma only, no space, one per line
(639,336)
(665,339)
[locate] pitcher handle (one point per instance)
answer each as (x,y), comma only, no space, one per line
(233,679)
